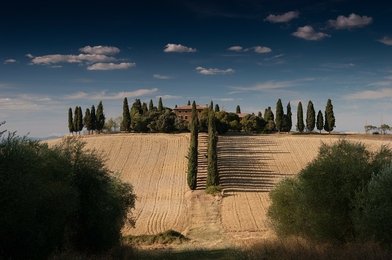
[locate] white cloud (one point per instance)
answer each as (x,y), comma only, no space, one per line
(104,95)
(270,85)
(386,40)
(257,49)
(159,76)
(261,49)
(103,50)
(308,33)
(166,97)
(214,71)
(60,58)
(283,18)
(171,47)
(25,102)
(351,21)
(8,61)
(371,94)
(236,48)
(111,66)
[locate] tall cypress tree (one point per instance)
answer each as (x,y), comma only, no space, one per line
(310,117)
(80,120)
(126,118)
(217,108)
(189,103)
(238,109)
(279,115)
(192,154)
(144,108)
(320,121)
(87,120)
(212,159)
(93,119)
(289,118)
(160,105)
(300,118)
(100,117)
(151,106)
(329,117)
(71,127)
(75,119)
(211,107)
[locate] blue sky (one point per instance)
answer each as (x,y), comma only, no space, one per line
(59,54)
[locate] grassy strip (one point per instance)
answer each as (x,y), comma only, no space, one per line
(167,237)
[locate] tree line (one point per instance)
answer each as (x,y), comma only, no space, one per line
(92,120)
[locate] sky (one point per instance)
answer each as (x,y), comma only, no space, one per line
(60,54)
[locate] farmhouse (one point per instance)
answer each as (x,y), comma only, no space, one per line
(185,112)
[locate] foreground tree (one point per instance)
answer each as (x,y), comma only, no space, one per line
(126,117)
(320,121)
(310,117)
(329,117)
(300,118)
(192,153)
(325,202)
(279,115)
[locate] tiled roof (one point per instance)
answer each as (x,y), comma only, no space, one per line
(189,107)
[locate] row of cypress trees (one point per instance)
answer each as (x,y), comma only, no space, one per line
(192,153)
(92,120)
(212,157)
(326,122)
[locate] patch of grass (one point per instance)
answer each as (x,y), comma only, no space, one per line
(167,237)
(213,189)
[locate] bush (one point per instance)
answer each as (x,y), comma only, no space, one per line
(52,199)
(321,203)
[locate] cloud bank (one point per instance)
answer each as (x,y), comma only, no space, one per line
(349,22)
(283,18)
(214,71)
(308,33)
(171,47)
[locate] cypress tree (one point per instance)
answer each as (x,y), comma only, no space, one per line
(329,123)
(300,118)
(259,114)
(87,120)
(150,105)
(189,102)
(279,115)
(212,160)
(70,121)
(126,118)
(320,121)
(93,119)
(217,108)
(80,120)
(192,154)
(75,119)
(310,117)
(160,105)
(289,119)
(144,108)
(238,109)
(211,107)
(100,117)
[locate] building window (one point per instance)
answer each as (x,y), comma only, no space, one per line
(186,117)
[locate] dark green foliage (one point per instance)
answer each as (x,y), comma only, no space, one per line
(166,122)
(151,106)
(329,117)
(164,238)
(78,119)
(189,103)
(211,107)
(320,121)
(160,105)
(217,109)
(310,117)
(126,117)
(269,115)
(87,120)
(300,118)
(100,117)
(93,118)
(70,121)
(287,121)
(238,109)
(374,208)
(252,123)
(203,120)
(144,108)
(192,153)
(323,201)
(227,121)
(137,120)
(58,198)
(279,115)
(212,158)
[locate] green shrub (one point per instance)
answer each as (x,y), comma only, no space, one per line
(321,202)
(55,199)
